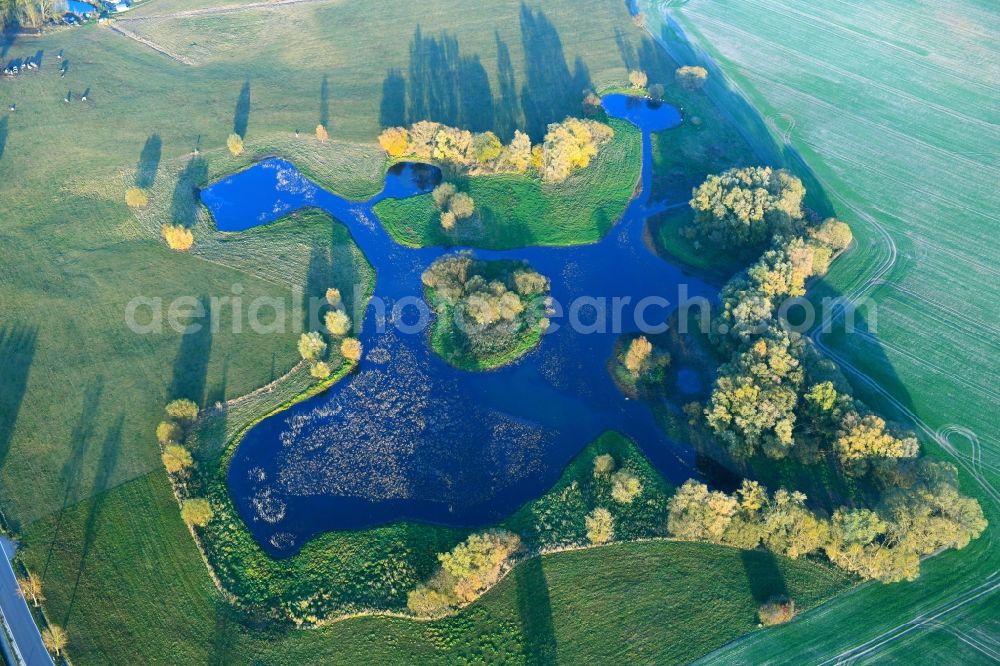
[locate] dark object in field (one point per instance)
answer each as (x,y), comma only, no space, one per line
(13,107)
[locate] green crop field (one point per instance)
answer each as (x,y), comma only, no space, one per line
(892,106)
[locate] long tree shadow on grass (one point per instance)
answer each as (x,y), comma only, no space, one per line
(535,610)
(507,113)
(72,468)
(106,464)
(765,578)
(392,109)
(3,135)
(324,102)
(17,352)
(185,201)
(190,371)
(443,85)
(7,39)
(241,115)
(550,92)
(149,161)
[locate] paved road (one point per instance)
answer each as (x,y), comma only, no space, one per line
(28,646)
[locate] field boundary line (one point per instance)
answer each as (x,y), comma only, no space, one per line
(162,50)
(225,9)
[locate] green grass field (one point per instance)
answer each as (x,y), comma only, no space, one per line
(80,476)
(892,117)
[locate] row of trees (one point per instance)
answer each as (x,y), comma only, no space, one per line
(567,146)
(172,433)
(26,13)
(884,544)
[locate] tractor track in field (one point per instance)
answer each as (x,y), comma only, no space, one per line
(124,32)
(920,622)
(985,646)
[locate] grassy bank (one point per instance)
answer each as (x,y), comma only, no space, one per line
(372,570)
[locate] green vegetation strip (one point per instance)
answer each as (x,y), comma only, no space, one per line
(519,210)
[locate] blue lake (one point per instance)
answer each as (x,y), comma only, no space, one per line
(408,437)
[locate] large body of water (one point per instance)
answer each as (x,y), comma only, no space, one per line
(408,437)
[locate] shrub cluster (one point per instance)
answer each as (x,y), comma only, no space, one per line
(467,570)
(313,347)
(485,309)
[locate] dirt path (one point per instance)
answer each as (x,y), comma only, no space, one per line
(224,9)
(151,44)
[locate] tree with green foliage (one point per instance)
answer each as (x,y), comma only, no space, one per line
(311,346)
(697,514)
(454,205)
(476,564)
(485,310)
(691,77)
(790,528)
(863,437)
(486,147)
(182,410)
(745,208)
(753,402)
(196,511)
(600,526)
(176,458)
(625,486)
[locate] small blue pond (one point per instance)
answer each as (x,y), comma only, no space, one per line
(408,437)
